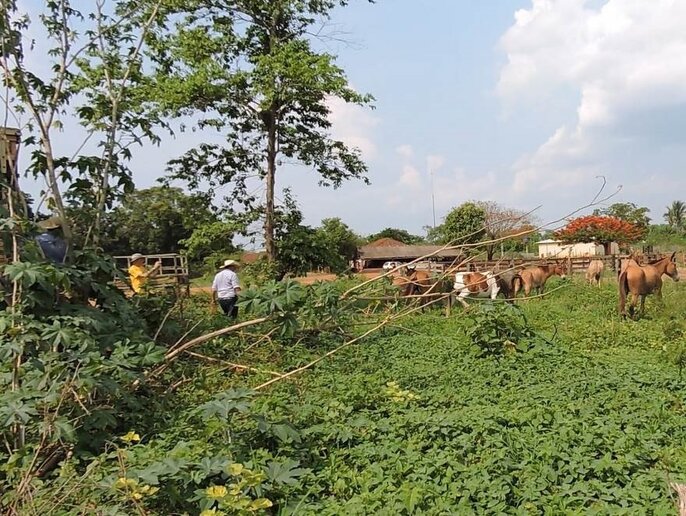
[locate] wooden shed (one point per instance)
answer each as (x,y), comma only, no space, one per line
(374,256)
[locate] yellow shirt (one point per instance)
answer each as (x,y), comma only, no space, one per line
(137,278)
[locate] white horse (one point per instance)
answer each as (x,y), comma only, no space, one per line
(475,284)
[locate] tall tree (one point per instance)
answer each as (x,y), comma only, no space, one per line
(501,222)
(464,225)
(627,211)
(676,215)
(248,69)
(603,230)
(95,76)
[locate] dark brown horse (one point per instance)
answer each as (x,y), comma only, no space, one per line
(641,280)
(509,283)
(536,277)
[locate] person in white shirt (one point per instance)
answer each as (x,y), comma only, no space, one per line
(225,288)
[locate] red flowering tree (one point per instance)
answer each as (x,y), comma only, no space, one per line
(603,230)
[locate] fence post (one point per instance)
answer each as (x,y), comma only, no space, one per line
(570,271)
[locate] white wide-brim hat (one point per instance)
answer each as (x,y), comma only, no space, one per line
(229,263)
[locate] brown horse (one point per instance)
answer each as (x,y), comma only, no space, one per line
(641,280)
(536,277)
(412,282)
(595,272)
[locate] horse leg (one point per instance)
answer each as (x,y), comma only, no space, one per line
(643,305)
(461,298)
(632,304)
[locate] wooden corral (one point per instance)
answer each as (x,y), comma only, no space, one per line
(574,265)
(10,140)
(172,278)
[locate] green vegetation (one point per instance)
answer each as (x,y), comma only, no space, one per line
(627,211)
(555,406)
(400,235)
(152,406)
(464,224)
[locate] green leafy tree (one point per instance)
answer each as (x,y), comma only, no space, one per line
(300,248)
(249,69)
(676,215)
(95,77)
(341,240)
(464,225)
(628,211)
(400,235)
(161,220)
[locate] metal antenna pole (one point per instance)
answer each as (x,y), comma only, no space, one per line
(433,200)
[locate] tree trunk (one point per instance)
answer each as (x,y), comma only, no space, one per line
(270,245)
(490,251)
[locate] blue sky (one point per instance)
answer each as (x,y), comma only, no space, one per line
(524,102)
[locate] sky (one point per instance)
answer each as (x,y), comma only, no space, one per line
(523,102)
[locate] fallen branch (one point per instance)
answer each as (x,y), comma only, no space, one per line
(173,354)
(233,365)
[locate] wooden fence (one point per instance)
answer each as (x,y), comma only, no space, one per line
(173,275)
(575,265)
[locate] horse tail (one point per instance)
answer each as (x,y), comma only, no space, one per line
(516,284)
(623,282)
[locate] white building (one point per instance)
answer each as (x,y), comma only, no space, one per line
(556,249)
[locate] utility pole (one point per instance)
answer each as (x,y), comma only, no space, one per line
(433,200)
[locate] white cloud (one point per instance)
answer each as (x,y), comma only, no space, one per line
(434,163)
(354,125)
(624,59)
(405,151)
(411,177)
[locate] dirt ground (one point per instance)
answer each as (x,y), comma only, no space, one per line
(310,278)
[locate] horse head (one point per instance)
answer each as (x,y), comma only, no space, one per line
(671,269)
(560,269)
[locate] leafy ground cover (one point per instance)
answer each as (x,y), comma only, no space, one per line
(557,407)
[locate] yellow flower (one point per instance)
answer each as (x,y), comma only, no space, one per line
(216,492)
(260,503)
(124,483)
(131,437)
(148,490)
(236,469)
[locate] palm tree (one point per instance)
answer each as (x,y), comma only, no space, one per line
(676,214)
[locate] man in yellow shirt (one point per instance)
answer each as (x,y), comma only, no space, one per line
(138,274)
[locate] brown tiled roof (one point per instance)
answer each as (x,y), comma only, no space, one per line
(385,242)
